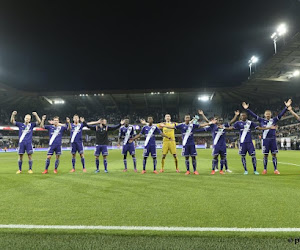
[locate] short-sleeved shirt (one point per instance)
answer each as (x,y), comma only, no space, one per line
(123,133)
(55,134)
(25,131)
(146,129)
(76,132)
(218,134)
(242,125)
(183,127)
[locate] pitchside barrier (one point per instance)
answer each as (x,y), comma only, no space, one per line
(159,146)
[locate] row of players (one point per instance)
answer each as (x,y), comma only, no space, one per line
(127,132)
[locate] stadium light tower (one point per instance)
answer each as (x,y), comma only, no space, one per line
(280,32)
(253,60)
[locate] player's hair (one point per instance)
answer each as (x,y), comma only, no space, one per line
(55,117)
(167,114)
(187,115)
(76,115)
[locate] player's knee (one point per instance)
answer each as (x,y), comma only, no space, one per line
(29,157)
(215,157)
(82,155)
(175,156)
(164,156)
(193,158)
(223,157)
(274,155)
(133,156)
(124,157)
(186,158)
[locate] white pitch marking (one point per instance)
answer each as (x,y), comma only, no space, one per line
(146,228)
(287,163)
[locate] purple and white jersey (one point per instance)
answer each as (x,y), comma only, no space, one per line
(245,130)
(127,133)
(218,134)
(187,131)
(270,133)
(25,131)
(76,132)
(55,134)
(149,132)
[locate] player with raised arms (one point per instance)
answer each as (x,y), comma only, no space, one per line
(246,144)
(101,128)
(168,145)
(76,141)
(56,131)
(219,141)
(149,131)
(25,138)
(269,136)
(127,132)
(188,145)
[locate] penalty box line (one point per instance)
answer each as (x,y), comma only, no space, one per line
(146,228)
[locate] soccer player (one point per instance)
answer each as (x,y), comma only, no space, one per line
(269,136)
(219,141)
(168,145)
(127,132)
(246,144)
(76,141)
(25,138)
(188,145)
(56,131)
(101,128)
(150,146)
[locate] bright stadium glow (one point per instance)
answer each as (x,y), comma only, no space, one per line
(203,98)
(58,101)
(280,32)
(296,73)
(282,29)
(253,60)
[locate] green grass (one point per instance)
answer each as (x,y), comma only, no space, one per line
(132,199)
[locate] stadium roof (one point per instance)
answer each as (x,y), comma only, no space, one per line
(272,81)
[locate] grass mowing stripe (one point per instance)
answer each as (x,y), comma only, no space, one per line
(145,228)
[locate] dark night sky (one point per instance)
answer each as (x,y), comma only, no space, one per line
(136,45)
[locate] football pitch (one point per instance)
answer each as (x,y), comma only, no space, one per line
(130,199)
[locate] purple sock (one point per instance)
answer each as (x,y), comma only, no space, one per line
(265,163)
(20,164)
(274,159)
(47,164)
(105,164)
(187,163)
(244,163)
(73,162)
(194,162)
(214,163)
(134,162)
(222,162)
(97,164)
(254,162)
(30,162)
(154,164)
(56,163)
(83,162)
(125,163)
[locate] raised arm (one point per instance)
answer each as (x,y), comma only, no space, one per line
(266,128)
(115,126)
(214,121)
(95,122)
(68,123)
(246,106)
(202,114)
(236,115)
(287,105)
(38,119)
(12,118)
(293,113)
(163,125)
(42,124)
